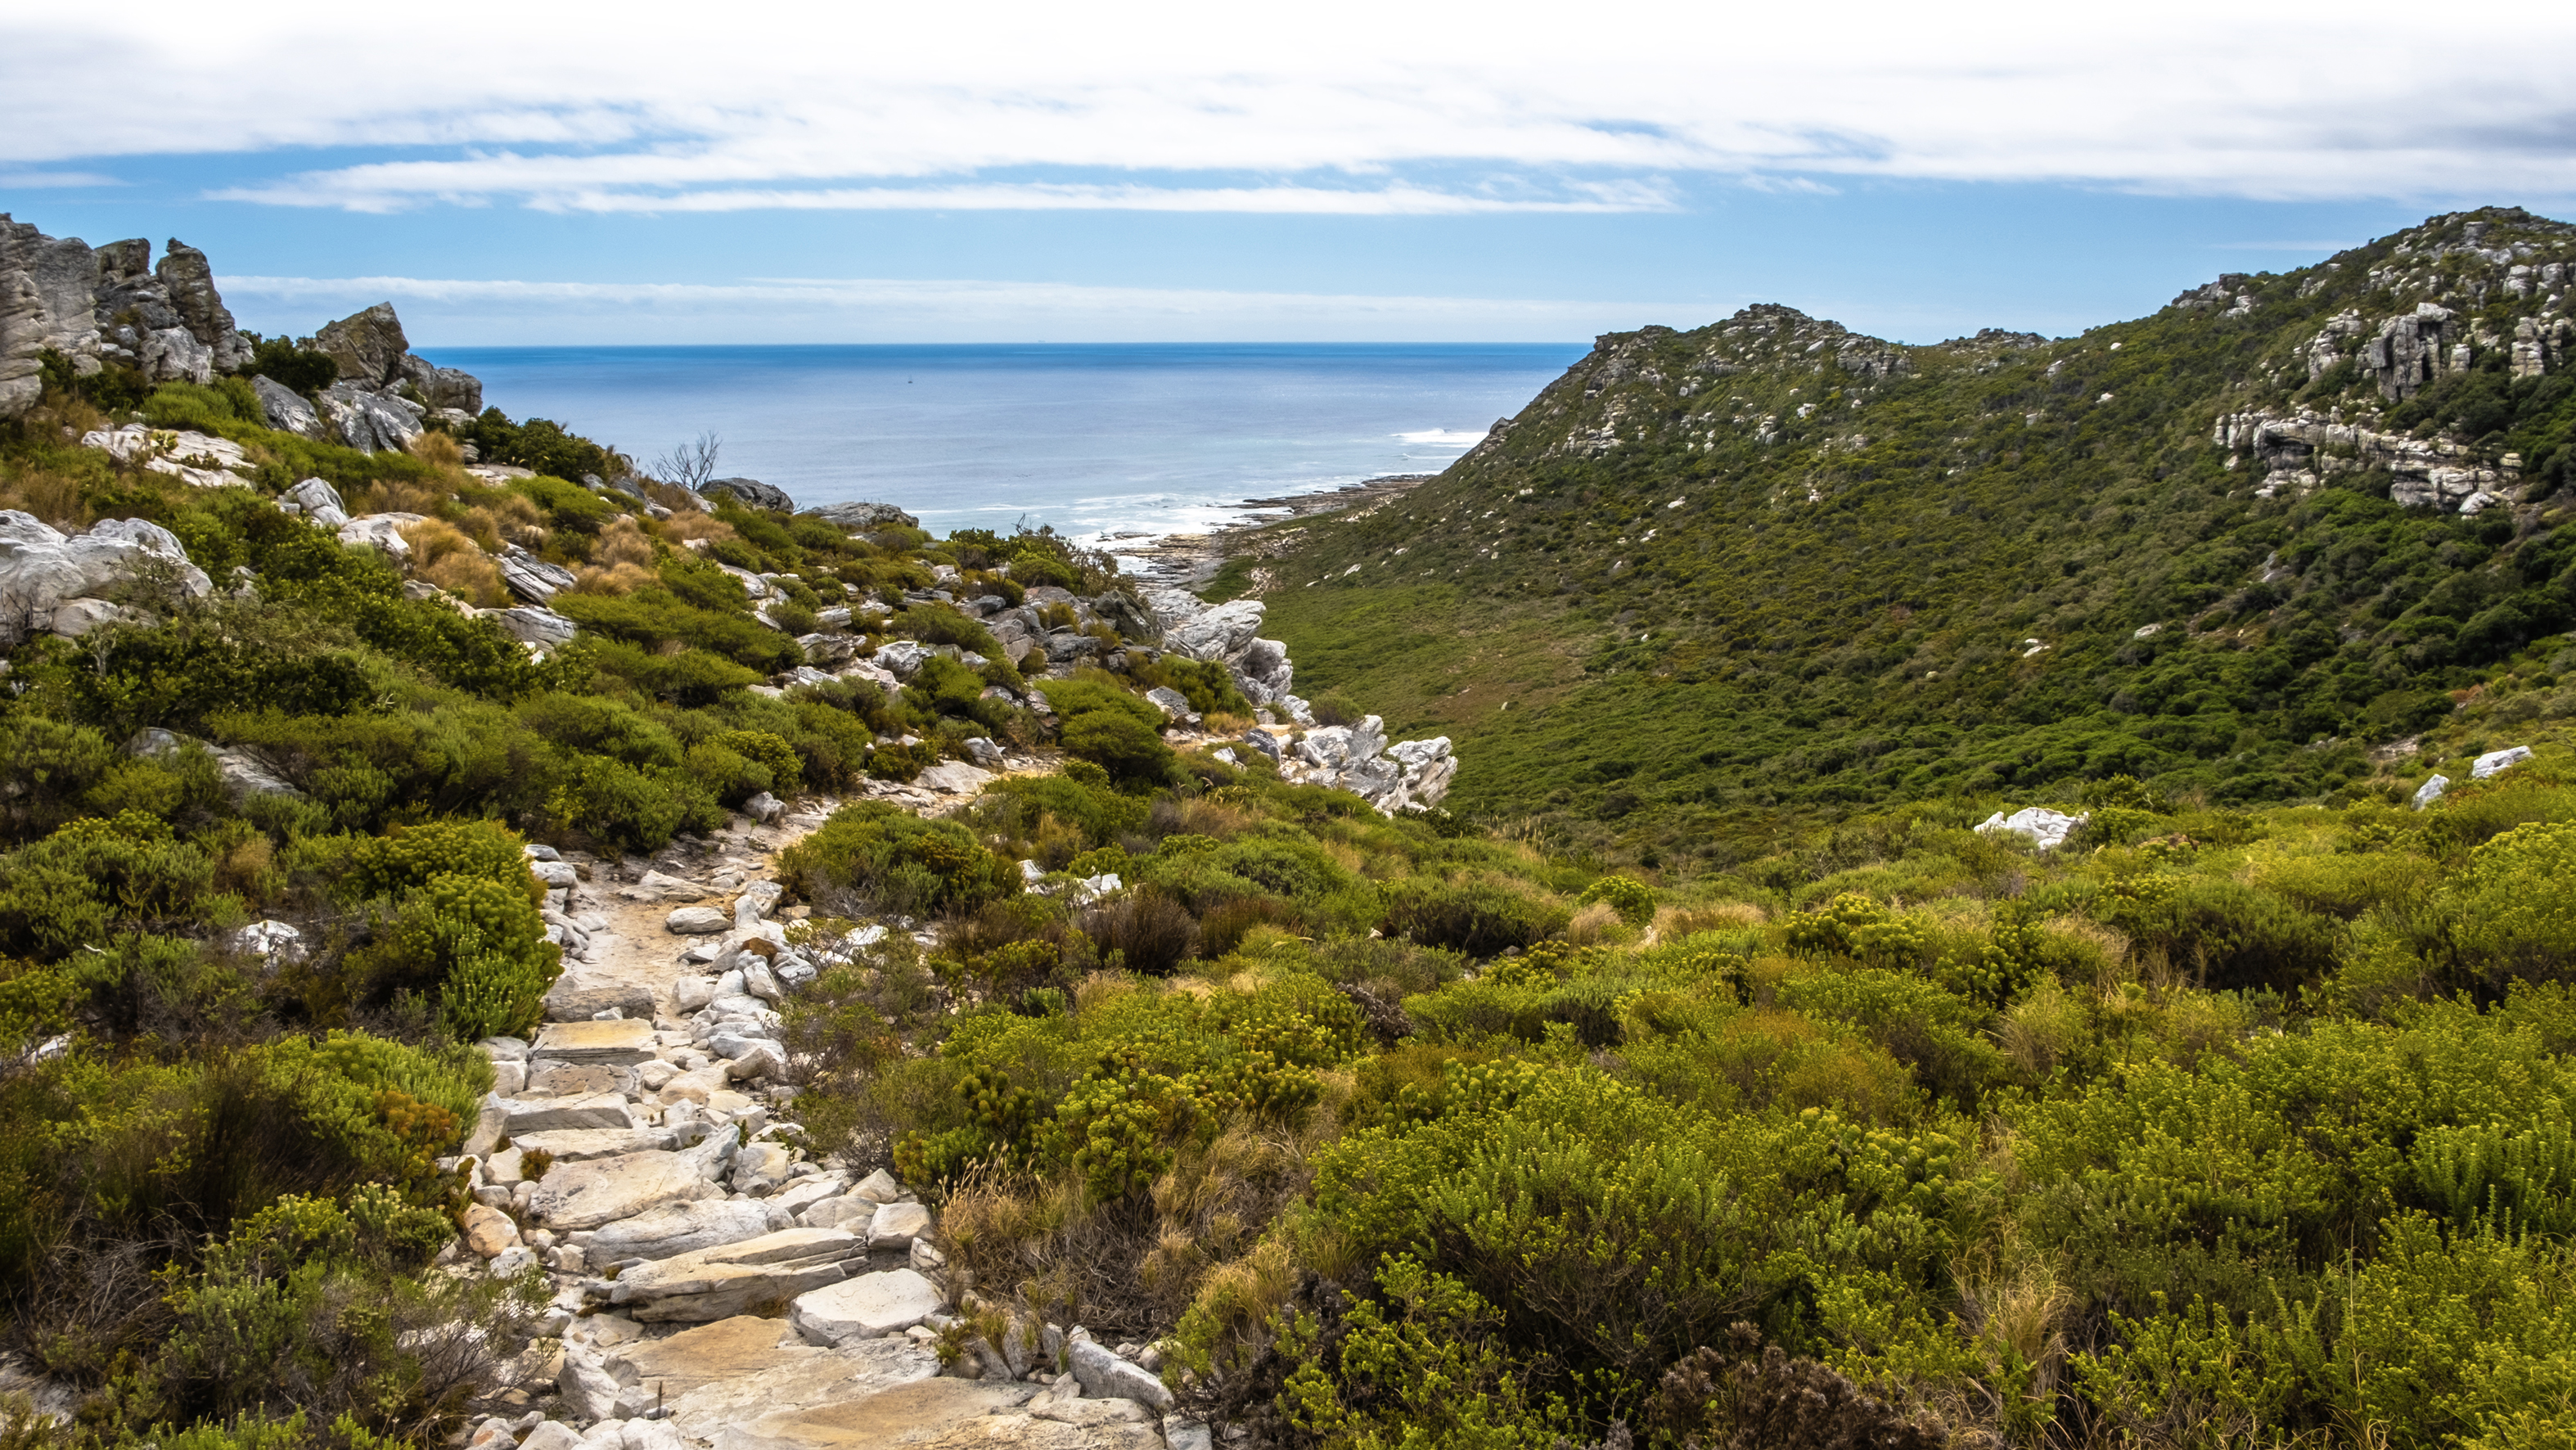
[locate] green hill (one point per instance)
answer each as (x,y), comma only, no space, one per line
(1773,567)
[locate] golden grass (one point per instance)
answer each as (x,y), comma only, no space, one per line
(442,554)
(437,449)
(683,527)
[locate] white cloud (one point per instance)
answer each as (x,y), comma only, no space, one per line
(1332,106)
(858,309)
(35,180)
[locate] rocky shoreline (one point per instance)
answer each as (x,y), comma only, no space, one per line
(1186,561)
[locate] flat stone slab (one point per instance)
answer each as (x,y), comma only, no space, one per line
(621,1042)
(604,1190)
(791,1379)
(914,1414)
(555,1115)
(680,1228)
(870,1306)
(552,1079)
(730,1279)
(580,1145)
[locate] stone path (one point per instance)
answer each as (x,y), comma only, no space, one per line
(715,1289)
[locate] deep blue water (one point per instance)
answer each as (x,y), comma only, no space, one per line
(1097,440)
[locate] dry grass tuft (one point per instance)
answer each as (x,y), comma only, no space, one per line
(437,449)
(443,555)
(620,563)
(50,496)
(1594,925)
(681,527)
(395,496)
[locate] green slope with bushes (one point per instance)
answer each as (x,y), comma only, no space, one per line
(219,1195)
(1771,567)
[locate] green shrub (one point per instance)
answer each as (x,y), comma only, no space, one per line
(1476,918)
(1634,900)
(897,862)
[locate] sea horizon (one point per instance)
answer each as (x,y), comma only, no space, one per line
(1111,443)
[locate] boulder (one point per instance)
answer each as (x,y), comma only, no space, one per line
(1174,705)
(532,578)
(2496,760)
(902,658)
(697,921)
(245,776)
(855,515)
(369,346)
(314,495)
(2045,829)
(488,1231)
(273,940)
(41,568)
(48,302)
(627,1041)
(1105,1376)
(870,1306)
(659,886)
(1227,629)
(578,998)
(896,1225)
(878,1187)
(2431,791)
(604,1190)
(847,1212)
(382,533)
(369,422)
(680,1228)
(288,412)
(953,777)
(443,388)
(751,491)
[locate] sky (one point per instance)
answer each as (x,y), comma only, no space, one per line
(1009,172)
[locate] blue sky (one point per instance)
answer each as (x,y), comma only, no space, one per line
(855,173)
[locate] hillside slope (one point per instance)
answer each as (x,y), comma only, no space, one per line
(1774,563)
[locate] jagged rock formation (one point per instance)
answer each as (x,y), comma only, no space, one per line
(860,517)
(107,304)
(101,305)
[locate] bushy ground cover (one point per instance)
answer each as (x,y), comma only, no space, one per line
(2219,1125)
(219,1202)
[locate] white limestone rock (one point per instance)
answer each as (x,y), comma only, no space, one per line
(2044,828)
(2497,760)
(680,1228)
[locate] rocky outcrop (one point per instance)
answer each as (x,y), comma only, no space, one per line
(118,563)
(1229,633)
(198,459)
(859,517)
(286,409)
(1409,775)
(107,304)
(751,491)
(2299,452)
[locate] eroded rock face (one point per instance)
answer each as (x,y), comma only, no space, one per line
(369,346)
(189,280)
(48,300)
(286,408)
(371,422)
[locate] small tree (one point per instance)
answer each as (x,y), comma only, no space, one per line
(690,464)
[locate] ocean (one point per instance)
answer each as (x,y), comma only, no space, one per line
(1105,442)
